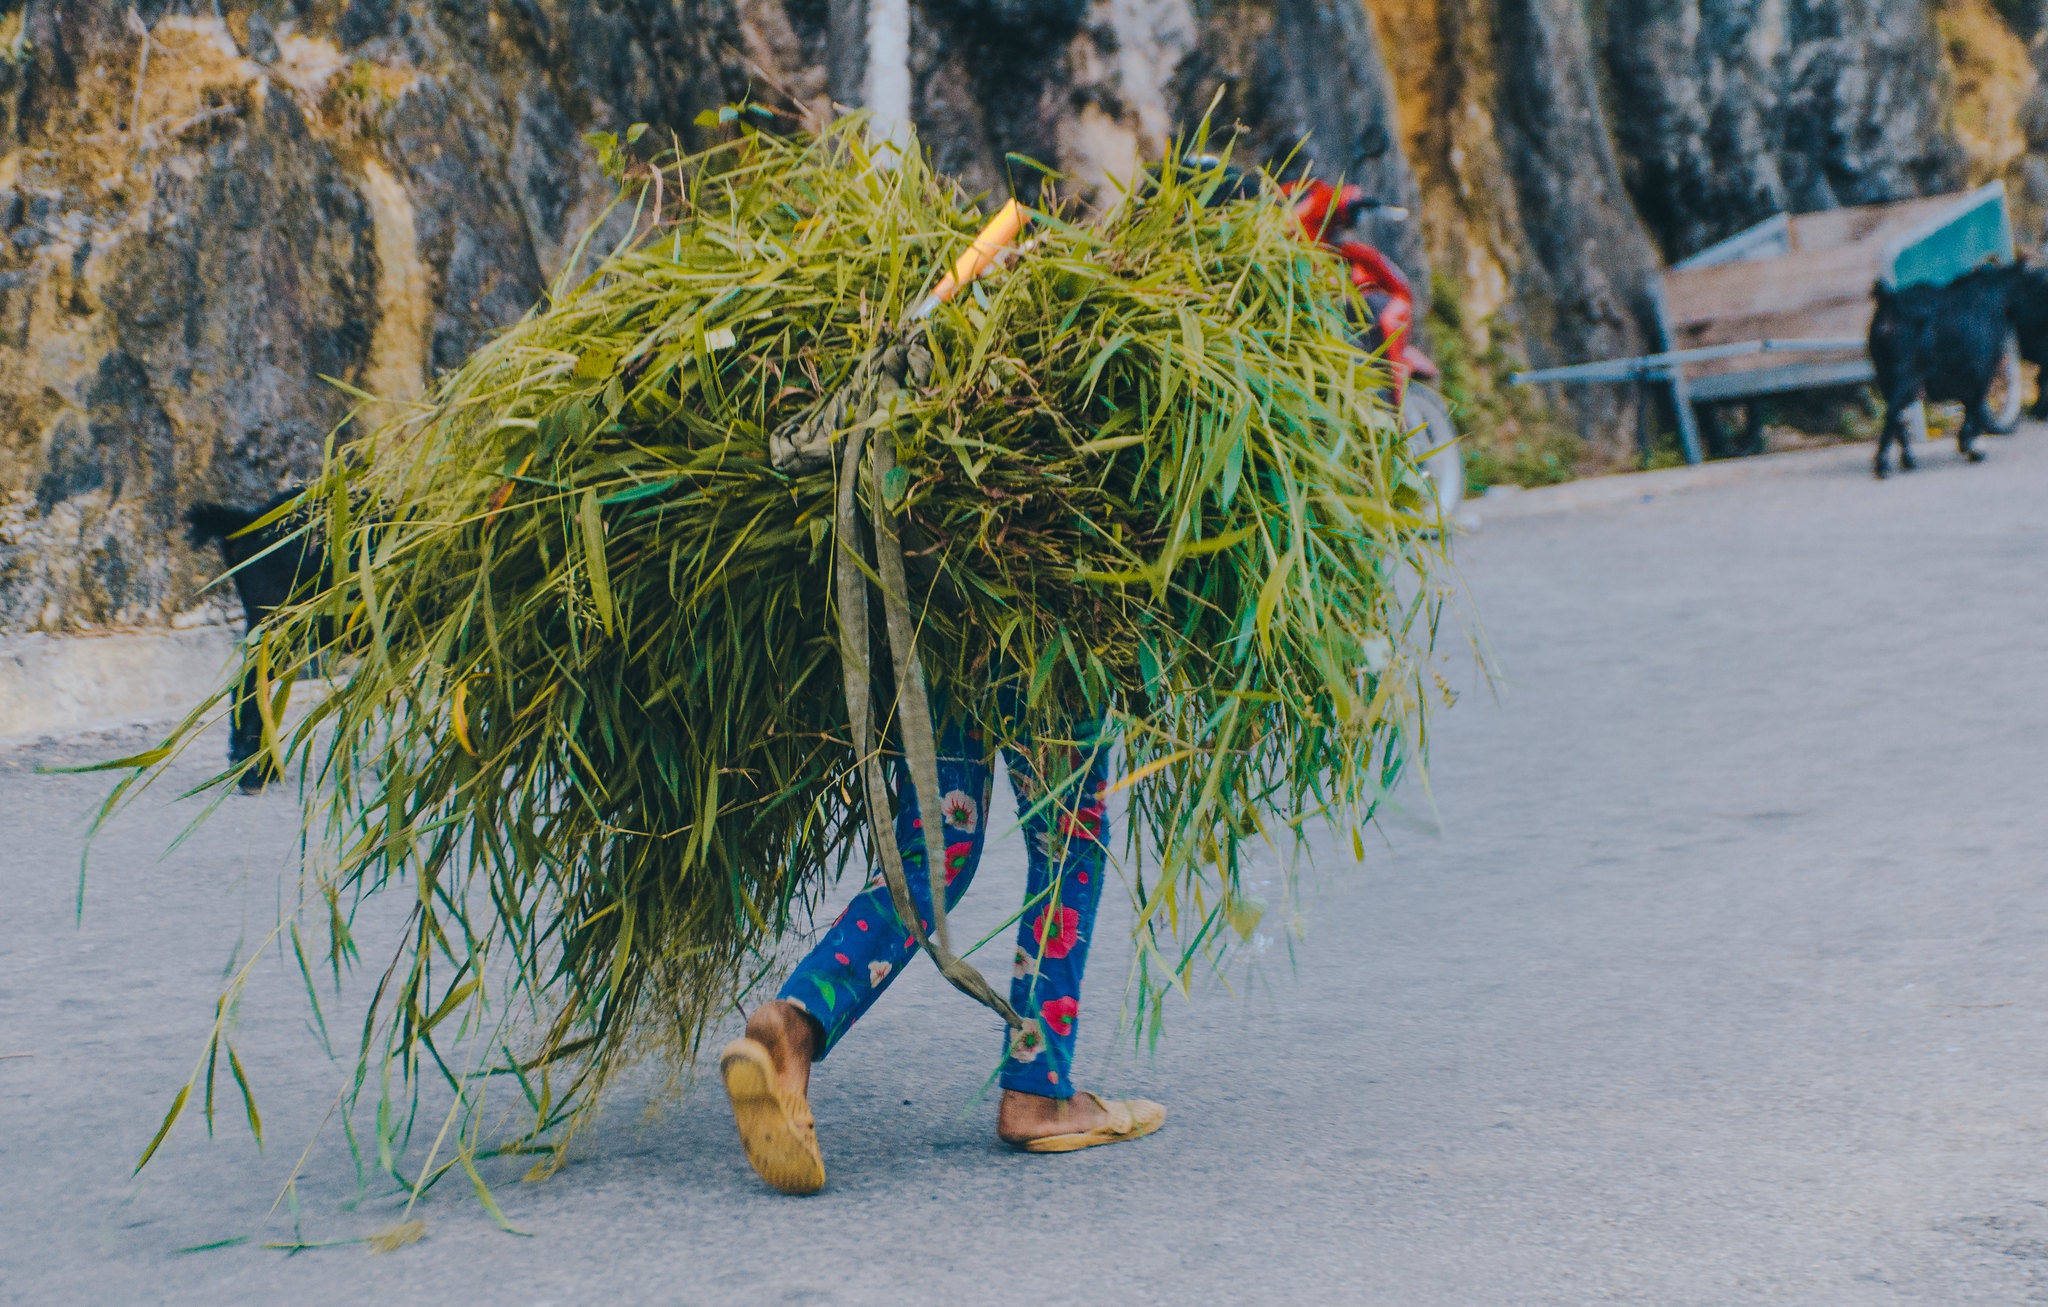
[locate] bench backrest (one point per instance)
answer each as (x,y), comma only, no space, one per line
(1809,275)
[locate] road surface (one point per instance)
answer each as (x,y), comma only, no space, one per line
(1716,973)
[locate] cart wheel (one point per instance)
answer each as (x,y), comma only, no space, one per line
(1433,441)
(2006,397)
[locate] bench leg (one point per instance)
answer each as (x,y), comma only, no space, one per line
(1688,422)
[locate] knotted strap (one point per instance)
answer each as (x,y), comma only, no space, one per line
(913,704)
(860,406)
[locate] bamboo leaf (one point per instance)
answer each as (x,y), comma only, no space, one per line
(170,1119)
(594,557)
(248,1098)
(458,717)
(1151,768)
(133,762)
(1233,469)
(1269,599)
(484,1196)
(449,1004)
(1107,446)
(647,491)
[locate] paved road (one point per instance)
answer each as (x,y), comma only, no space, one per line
(1725,980)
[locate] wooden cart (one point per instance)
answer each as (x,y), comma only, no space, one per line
(1786,305)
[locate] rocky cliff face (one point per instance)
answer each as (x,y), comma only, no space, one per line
(1740,109)
(224,223)
(214,227)
(1540,255)
(1308,84)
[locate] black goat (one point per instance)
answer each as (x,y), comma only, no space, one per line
(2030,324)
(270,566)
(1947,342)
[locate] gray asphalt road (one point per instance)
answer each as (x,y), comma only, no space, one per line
(1723,981)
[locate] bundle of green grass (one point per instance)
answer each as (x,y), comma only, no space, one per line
(592,720)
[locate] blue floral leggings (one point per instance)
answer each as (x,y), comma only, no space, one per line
(1064,842)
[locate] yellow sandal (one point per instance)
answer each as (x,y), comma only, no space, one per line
(1129,1118)
(779,1135)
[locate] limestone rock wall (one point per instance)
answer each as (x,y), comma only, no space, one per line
(220,223)
(1740,109)
(1308,81)
(206,224)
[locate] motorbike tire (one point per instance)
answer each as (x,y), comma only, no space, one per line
(1433,440)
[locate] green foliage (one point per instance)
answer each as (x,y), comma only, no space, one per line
(614,157)
(1510,435)
(361,96)
(1843,413)
(594,722)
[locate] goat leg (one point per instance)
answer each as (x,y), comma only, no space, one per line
(1976,421)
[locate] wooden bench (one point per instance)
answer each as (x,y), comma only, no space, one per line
(1786,305)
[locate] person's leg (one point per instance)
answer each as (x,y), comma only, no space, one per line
(768,1071)
(1064,839)
(864,949)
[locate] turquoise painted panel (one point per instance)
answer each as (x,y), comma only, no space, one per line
(1979,233)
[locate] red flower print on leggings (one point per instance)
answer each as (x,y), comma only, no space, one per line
(1058,941)
(1082,824)
(1059,1014)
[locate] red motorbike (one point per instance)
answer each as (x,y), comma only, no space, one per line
(1331,216)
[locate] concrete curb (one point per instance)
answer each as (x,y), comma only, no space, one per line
(1644,487)
(64,684)
(1647,487)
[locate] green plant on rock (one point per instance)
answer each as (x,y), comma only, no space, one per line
(1510,436)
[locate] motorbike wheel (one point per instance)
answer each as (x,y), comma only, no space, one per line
(1433,441)
(2005,398)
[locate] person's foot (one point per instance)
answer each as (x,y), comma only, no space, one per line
(767,1076)
(1063,1125)
(1023,1117)
(791,1038)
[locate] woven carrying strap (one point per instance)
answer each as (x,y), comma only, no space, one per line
(886,368)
